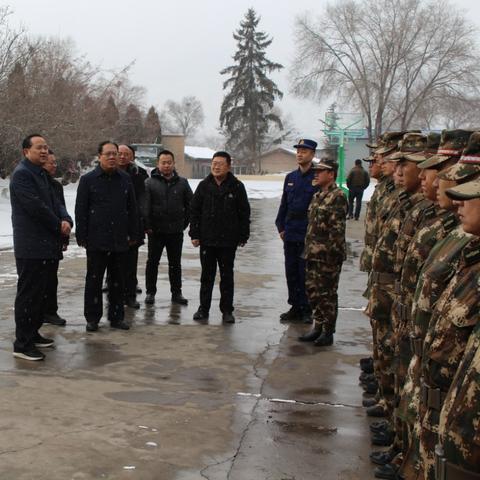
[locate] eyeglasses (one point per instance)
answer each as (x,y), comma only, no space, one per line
(109,154)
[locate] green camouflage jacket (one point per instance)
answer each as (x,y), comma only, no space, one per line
(325,238)
(459,427)
(371,225)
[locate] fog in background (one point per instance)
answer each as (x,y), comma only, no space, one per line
(179,47)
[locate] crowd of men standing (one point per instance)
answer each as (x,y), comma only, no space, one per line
(422,254)
(117,203)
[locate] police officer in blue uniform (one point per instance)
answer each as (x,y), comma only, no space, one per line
(291,224)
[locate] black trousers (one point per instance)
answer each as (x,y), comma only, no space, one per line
(51,301)
(33,278)
(355,195)
(209,258)
(131,262)
(295,274)
(173,243)
(97,263)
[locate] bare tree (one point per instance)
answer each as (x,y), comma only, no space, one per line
(186,115)
(392,58)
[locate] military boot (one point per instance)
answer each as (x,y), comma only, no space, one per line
(324,340)
(311,336)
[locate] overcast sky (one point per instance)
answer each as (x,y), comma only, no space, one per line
(179,46)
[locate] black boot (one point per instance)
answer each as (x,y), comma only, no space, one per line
(179,299)
(200,314)
(292,315)
(311,336)
(324,340)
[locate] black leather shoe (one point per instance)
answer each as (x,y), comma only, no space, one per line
(180,299)
(310,336)
(367,377)
(383,439)
(150,299)
(132,303)
(292,315)
(376,411)
(370,387)
(228,318)
(366,364)
(382,457)
(200,314)
(388,471)
(380,426)
(54,319)
(120,325)
(324,340)
(92,326)
(369,402)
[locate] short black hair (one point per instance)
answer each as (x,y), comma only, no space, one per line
(223,154)
(166,152)
(51,152)
(358,161)
(27,141)
(102,144)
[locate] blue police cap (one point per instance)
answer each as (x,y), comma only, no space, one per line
(305,143)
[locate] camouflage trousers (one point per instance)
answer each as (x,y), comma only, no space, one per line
(379,310)
(321,285)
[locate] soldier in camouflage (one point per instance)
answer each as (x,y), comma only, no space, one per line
(325,251)
(457,455)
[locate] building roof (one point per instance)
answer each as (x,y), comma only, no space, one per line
(199,152)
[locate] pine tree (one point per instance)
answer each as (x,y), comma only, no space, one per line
(152,127)
(247,108)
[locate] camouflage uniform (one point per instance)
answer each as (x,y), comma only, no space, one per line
(325,251)
(453,319)
(435,275)
(371,234)
(459,427)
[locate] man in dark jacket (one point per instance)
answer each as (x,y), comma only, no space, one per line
(106,217)
(51,305)
(39,221)
(292,224)
(167,202)
(357,181)
(219,223)
(138,175)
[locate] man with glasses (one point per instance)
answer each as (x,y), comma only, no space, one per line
(106,216)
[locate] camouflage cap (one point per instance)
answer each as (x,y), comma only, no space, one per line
(469,163)
(433,142)
(389,142)
(411,143)
(452,143)
(324,164)
(465,191)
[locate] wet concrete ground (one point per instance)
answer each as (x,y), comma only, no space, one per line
(173,399)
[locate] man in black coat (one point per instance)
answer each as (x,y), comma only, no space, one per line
(50,314)
(138,175)
(357,181)
(39,222)
(219,223)
(167,202)
(106,217)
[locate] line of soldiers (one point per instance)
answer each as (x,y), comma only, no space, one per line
(422,253)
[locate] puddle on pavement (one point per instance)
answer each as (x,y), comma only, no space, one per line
(305,428)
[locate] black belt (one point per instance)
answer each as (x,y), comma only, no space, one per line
(445,470)
(416,345)
(432,397)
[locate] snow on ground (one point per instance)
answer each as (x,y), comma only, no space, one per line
(256,189)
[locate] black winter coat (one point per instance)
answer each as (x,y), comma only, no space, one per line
(167,203)
(36,213)
(58,191)
(220,214)
(106,211)
(138,176)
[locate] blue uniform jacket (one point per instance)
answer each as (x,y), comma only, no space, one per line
(106,211)
(37,213)
(292,214)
